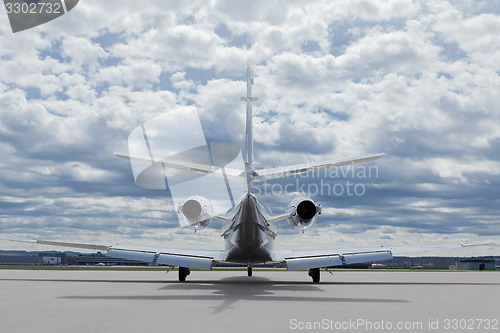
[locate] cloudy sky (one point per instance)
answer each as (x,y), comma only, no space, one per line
(417,80)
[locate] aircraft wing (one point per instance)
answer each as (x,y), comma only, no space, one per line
(305,259)
(272,173)
(197,259)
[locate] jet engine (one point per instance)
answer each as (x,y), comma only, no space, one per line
(303,213)
(197,212)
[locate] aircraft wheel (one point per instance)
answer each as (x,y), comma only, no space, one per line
(183,272)
(249,270)
(314,273)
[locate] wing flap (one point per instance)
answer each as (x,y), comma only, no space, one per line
(296,264)
(132,255)
(335,259)
(357,258)
(203,263)
(161,258)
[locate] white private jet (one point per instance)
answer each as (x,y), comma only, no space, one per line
(249,226)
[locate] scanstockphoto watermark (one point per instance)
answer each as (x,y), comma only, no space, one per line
(355,325)
(345,181)
(363,324)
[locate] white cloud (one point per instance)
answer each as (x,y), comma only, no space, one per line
(81,51)
(457,170)
(131,72)
(418,80)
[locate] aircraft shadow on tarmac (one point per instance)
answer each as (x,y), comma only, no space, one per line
(255,280)
(232,289)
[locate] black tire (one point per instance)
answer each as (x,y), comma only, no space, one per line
(249,270)
(183,272)
(314,273)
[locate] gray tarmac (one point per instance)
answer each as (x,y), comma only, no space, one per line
(270,301)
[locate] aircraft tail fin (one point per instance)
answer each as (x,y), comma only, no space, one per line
(248,132)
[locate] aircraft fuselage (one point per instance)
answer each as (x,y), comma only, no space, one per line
(249,238)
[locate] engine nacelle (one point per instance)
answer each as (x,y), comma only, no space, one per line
(197,212)
(303,213)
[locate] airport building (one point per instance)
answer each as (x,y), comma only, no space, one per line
(30,259)
(99,259)
(21,258)
(477,265)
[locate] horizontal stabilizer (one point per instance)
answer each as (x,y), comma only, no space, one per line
(185,166)
(280,172)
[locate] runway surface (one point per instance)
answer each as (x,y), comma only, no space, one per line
(270,301)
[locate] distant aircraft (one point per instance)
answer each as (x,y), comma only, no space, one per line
(249,226)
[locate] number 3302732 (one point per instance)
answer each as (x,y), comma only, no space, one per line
(33,8)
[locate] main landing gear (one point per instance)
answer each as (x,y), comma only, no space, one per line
(249,270)
(183,272)
(314,273)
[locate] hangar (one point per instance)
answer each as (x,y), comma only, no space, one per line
(477,264)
